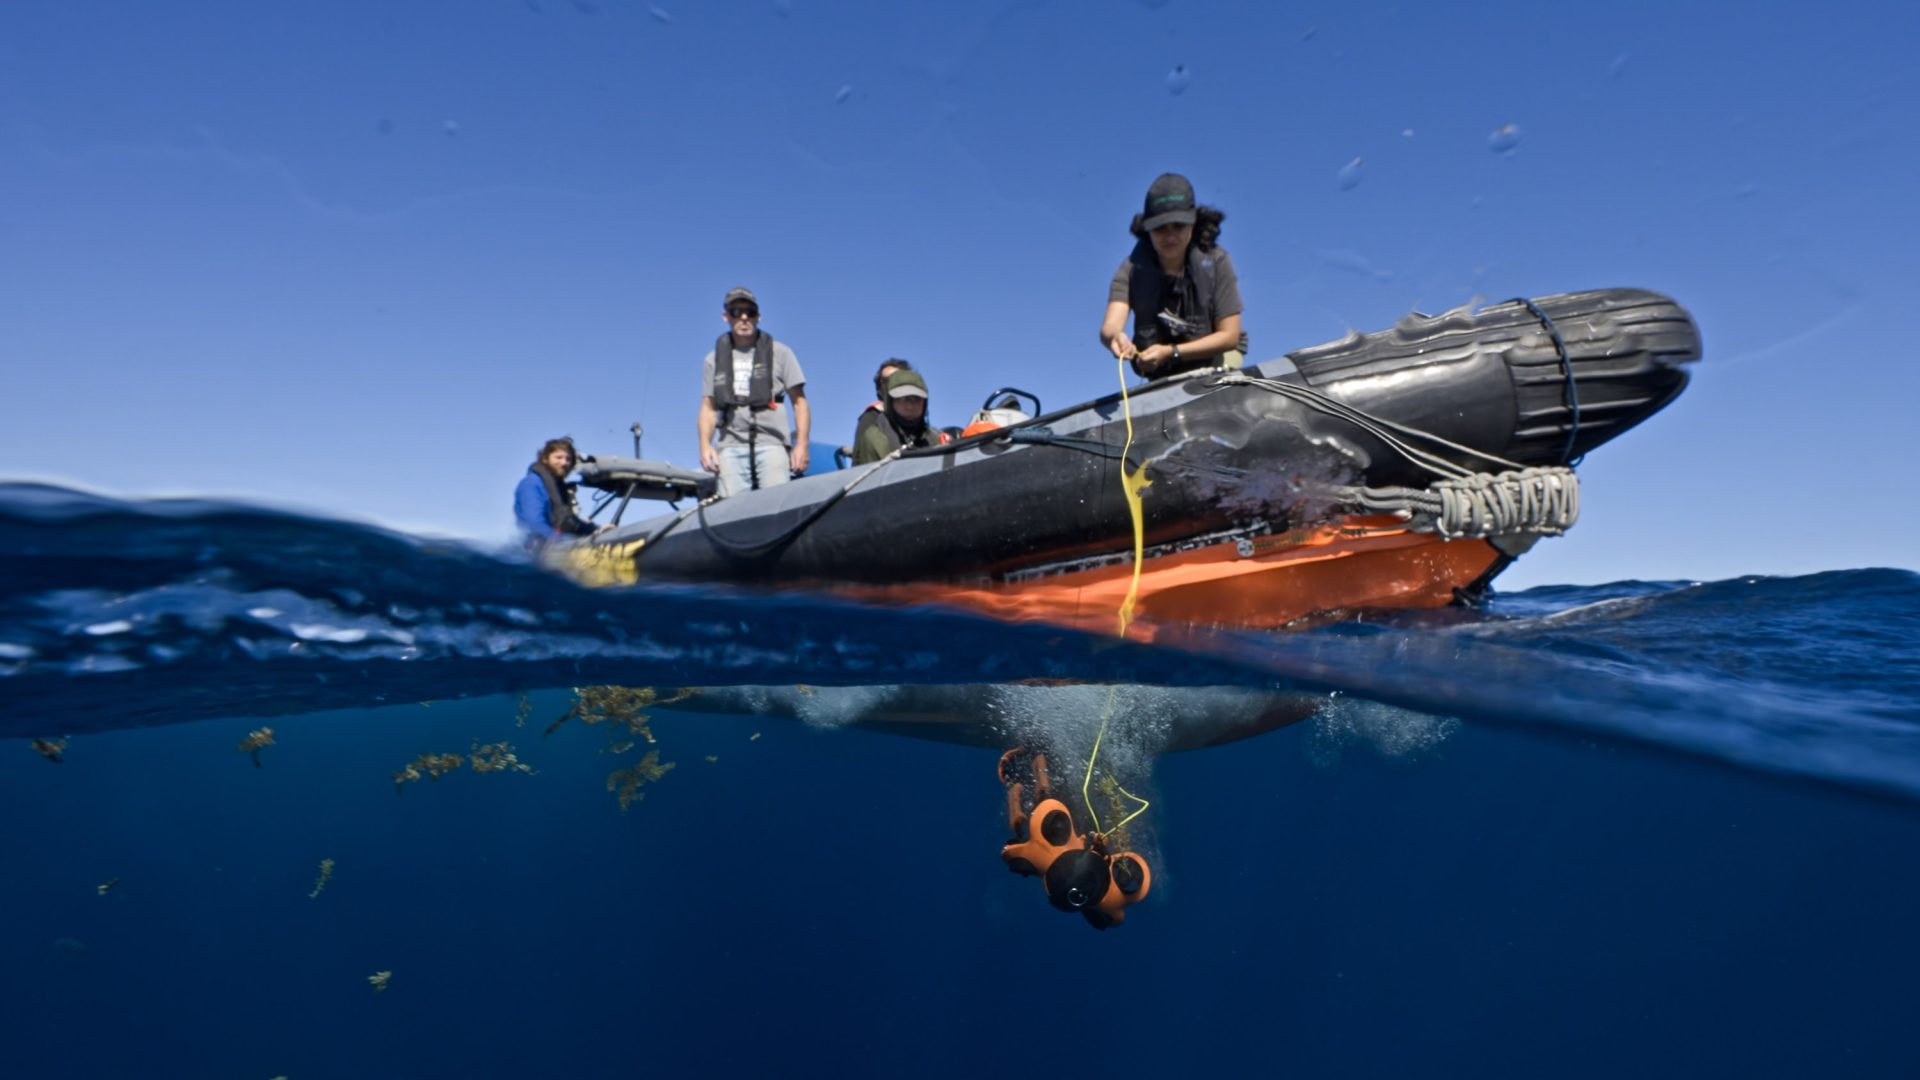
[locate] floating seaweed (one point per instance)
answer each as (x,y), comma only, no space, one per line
(378,980)
(711,758)
(254,742)
(522,711)
(106,886)
(51,749)
(623,705)
(626,783)
(497,757)
(426,767)
(320,883)
(1116,804)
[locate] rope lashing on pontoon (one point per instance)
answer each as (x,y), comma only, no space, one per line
(1544,500)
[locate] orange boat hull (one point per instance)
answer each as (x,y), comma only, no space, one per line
(1354,563)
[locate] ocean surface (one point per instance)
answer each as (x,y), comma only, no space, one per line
(1651,828)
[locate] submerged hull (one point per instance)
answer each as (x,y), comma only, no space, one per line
(1262,503)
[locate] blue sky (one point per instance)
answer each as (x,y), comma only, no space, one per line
(363,258)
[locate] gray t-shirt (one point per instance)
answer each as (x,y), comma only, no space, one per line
(772,423)
(1226,285)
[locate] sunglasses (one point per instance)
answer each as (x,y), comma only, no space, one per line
(743,313)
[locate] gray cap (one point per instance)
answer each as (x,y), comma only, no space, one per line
(739,292)
(906,383)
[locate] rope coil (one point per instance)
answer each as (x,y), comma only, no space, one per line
(1544,501)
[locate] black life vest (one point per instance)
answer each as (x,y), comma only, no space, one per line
(563,509)
(759,379)
(880,418)
(1187,298)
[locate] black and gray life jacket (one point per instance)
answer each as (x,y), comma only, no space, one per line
(1170,310)
(759,382)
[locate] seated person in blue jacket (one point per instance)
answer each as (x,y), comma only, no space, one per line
(544,505)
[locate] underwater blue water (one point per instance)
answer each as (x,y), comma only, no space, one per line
(1659,828)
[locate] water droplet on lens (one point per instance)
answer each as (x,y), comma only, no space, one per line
(1349,176)
(845,92)
(1177,79)
(1619,65)
(451,127)
(384,127)
(1406,133)
(1308,36)
(1504,138)
(586,7)
(783,8)
(660,15)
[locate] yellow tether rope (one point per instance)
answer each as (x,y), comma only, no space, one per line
(1086,781)
(1131,485)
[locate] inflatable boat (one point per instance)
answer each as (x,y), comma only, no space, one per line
(1399,469)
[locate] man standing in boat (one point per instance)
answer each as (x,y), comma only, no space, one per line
(746,379)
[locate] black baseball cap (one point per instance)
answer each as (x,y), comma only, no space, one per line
(1169,202)
(739,294)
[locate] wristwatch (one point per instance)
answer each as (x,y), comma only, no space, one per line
(1176,354)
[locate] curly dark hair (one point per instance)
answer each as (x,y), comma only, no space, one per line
(1206,227)
(565,442)
(880,374)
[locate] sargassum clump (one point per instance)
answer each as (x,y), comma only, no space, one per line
(253,743)
(426,767)
(320,883)
(497,757)
(626,783)
(378,980)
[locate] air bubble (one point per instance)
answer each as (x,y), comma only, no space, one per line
(1178,79)
(1349,175)
(1504,138)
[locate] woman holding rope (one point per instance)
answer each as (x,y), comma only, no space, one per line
(1178,285)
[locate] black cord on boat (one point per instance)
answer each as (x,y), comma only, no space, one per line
(1573,385)
(752,551)
(1045,437)
(1397,437)
(755,550)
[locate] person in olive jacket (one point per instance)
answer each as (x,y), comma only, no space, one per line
(900,421)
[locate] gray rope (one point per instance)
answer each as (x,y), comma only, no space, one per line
(1543,500)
